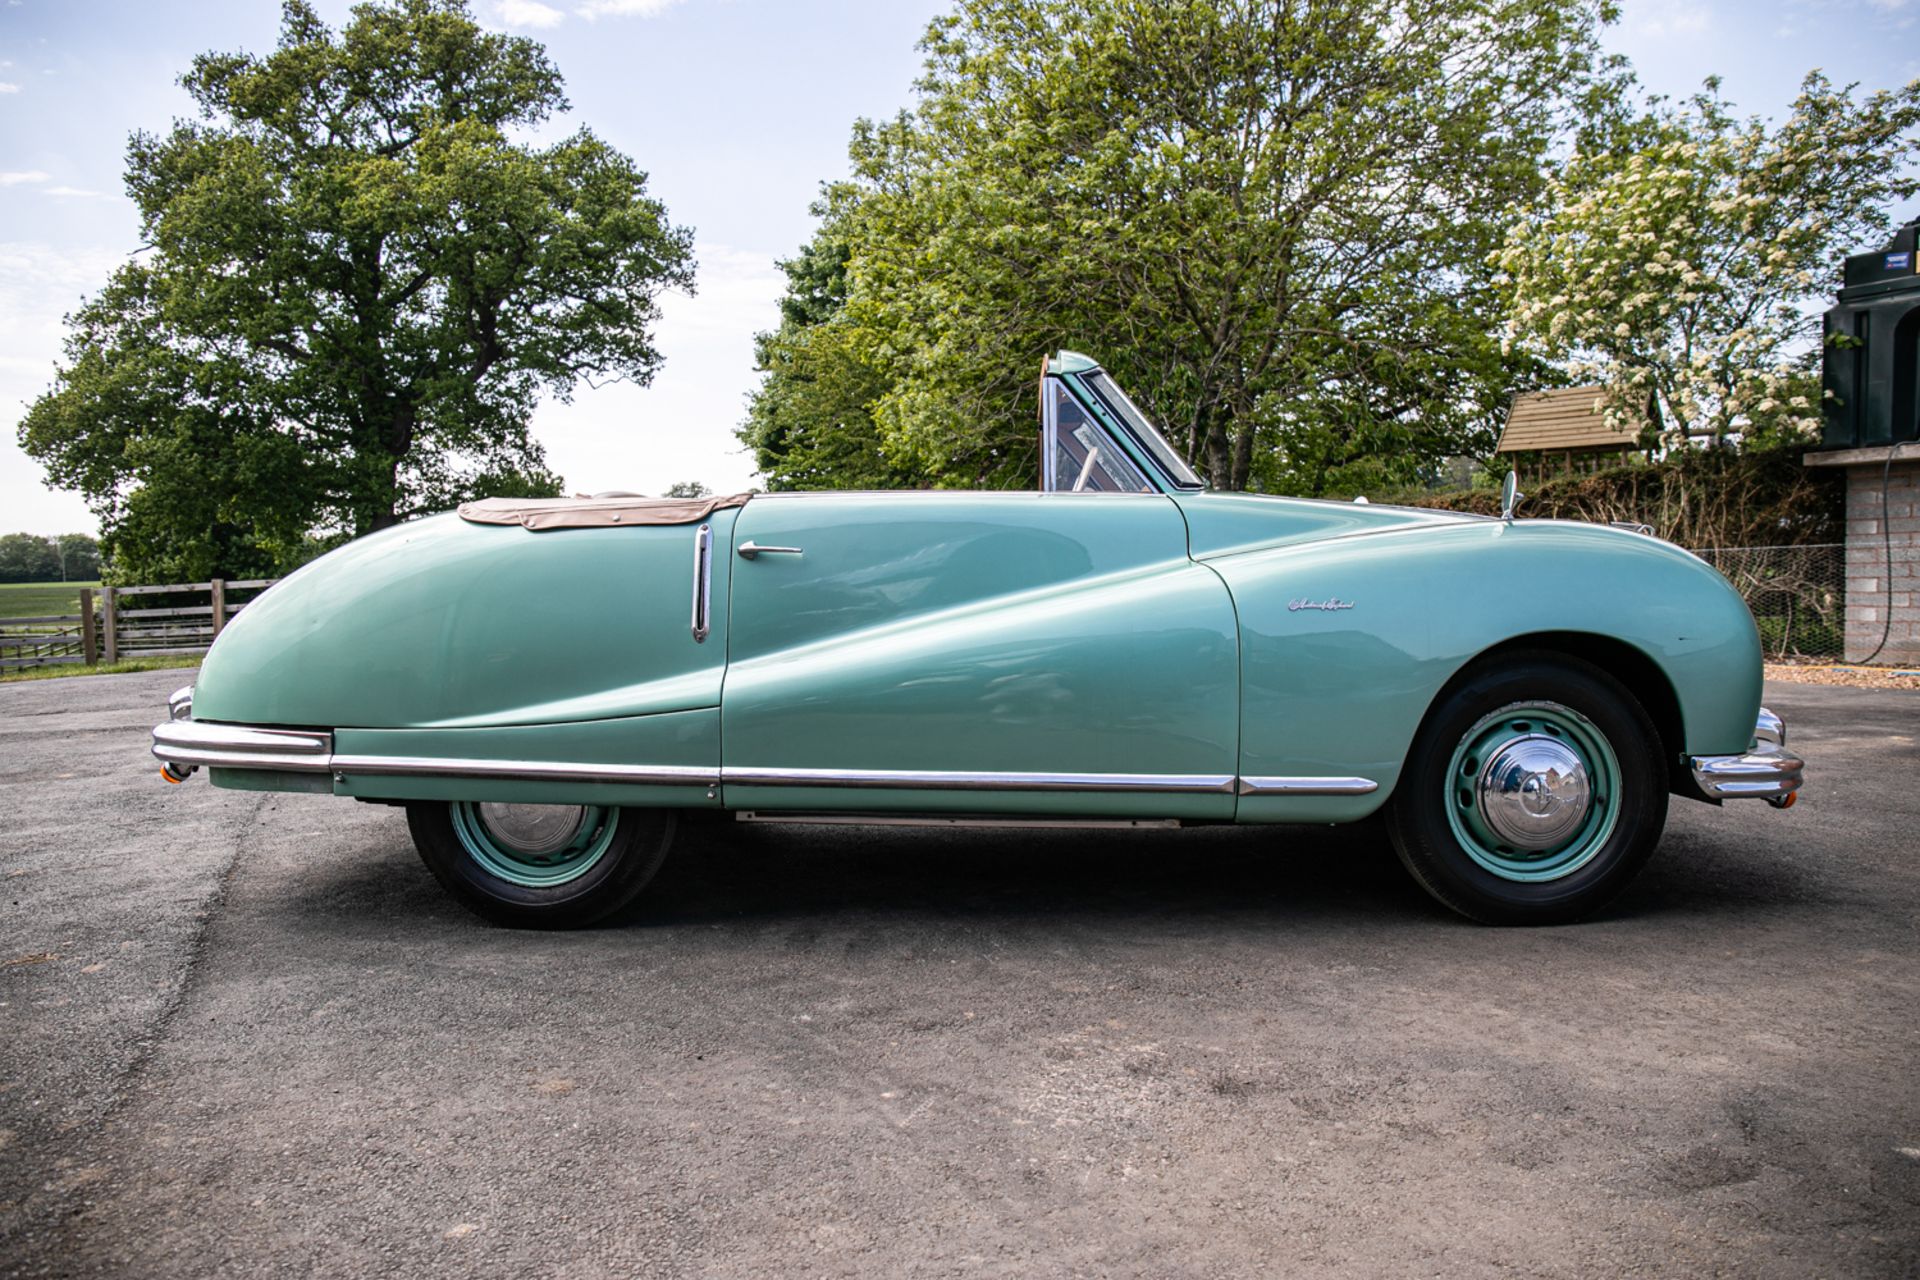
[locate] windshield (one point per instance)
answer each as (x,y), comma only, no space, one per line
(1080,457)
(1142,429)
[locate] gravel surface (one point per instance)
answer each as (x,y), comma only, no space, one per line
(1847,676)
(245,1035)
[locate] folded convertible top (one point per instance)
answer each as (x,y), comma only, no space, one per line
(594,513)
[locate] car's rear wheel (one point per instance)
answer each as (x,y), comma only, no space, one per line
(541,866)
(1534,792)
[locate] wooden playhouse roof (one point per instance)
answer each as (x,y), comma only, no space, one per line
(1562,420)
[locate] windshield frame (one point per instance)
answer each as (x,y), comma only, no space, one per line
(1121,464)
(1131,419)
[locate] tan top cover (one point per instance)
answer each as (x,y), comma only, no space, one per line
(594,513)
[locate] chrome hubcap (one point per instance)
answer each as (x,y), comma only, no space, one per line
(1534,792)
(533,829)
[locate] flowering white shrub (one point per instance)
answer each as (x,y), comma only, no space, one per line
(1687,268)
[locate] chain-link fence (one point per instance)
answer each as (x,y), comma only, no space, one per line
(1798,595)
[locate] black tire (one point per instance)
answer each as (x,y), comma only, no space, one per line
(1441,861)
(633,852)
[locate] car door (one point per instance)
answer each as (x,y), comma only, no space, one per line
(977,652)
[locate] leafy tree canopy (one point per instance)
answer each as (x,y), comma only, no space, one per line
(356,283)
(1684,259)
(1271,218)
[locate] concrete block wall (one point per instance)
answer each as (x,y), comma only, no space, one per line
(1876,589)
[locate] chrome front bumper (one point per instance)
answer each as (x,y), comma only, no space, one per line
(1765,771)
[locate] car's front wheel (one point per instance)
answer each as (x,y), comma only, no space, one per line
(1534,792)
(541,866)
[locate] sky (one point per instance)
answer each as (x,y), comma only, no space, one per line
(737,109)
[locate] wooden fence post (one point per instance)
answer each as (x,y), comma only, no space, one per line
(89,638)
(110,624)
(219,589)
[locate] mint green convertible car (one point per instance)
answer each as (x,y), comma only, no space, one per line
(545,685)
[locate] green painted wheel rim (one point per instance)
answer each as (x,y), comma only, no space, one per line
(499,856)
(1504,728)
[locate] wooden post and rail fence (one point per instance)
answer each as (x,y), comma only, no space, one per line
(118,623)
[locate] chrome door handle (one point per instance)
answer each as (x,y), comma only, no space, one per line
(750,549)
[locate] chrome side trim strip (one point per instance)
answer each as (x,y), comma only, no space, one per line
(985,820)
(524,770)
(1308,786)
(190,742)
(948,780)
(702,582)
(226,746)
(239,747)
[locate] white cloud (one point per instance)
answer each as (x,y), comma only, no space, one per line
(70,191)
(8,87)
(528,13)
(20,177)
(624,8)
(39,283)
(1669,19)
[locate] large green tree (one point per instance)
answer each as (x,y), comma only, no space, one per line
(810,421)
(1271,218)
(358,278)
(1685,262)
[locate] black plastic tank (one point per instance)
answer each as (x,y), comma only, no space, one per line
(1870,355)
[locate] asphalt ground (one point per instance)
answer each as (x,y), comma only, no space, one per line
(246,1034)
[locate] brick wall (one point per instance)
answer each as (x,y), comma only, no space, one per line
(1871,591)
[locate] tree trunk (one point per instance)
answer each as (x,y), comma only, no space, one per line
(399,439)
(1242,456)
(383,512)
(1219,453)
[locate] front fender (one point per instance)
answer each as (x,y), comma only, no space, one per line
(1346,643)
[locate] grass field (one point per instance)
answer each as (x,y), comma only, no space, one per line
(50,599)
(57,670)
(40,599)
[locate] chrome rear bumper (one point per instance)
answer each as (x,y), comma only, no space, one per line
(1766,771)
(191,743)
